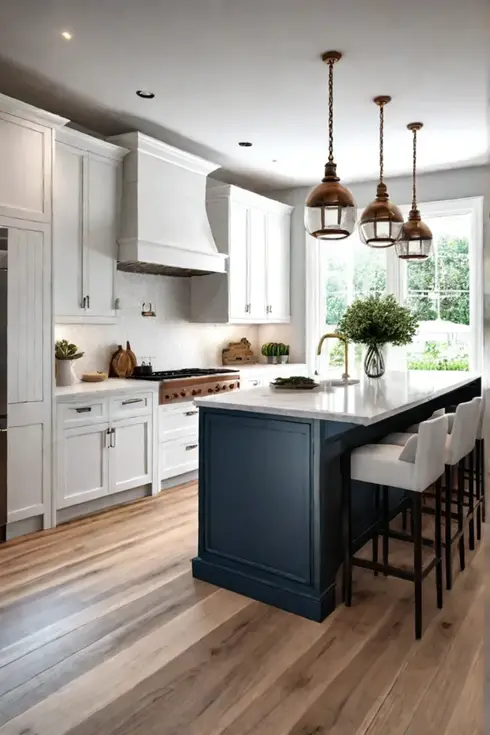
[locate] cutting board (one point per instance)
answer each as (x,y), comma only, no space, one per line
(132,359)
(238,353)
(120,365)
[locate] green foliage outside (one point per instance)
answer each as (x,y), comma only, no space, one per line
(435,357)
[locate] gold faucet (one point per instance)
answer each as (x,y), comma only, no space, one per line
(336,335)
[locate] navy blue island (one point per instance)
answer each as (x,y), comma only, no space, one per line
(272,465)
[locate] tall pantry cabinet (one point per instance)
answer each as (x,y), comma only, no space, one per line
(26,188)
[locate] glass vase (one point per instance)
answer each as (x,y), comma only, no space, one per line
(374,364)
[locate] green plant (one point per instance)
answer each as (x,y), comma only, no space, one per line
(378,320)
(267,349)
(65,350)
(274,349)
(282,349)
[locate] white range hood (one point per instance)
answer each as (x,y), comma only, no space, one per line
(164,225)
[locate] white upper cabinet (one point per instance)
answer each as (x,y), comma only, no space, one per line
(86,207)
(26,149)
(254,232)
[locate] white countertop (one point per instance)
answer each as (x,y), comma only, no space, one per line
(111,385)
(265,367)
(365,403)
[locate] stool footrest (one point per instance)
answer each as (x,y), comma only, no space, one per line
(406,574)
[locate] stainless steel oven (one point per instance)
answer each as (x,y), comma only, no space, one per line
(3,379)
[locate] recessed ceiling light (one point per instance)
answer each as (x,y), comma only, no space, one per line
(245,144)
(274,160)
(66,35)
(145,94)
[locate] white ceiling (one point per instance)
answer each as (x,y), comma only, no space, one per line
(230,70)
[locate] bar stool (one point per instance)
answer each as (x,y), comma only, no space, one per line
(414,468)
(460,444)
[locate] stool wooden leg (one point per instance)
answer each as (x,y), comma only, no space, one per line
(404,519)
(376,535)
(417,560)
(386,527)
(471,499)
(478,488)
(447,511)
(347,532)
(461,514)
(438,543)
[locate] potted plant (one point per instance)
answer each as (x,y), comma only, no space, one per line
(283,352)
(376,321)
(65,353)
(269,352)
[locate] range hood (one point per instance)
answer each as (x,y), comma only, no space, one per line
(164,225)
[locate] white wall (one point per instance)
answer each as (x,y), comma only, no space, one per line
(440,185)
(170,338)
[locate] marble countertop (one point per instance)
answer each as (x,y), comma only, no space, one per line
(365,403)
(111,385)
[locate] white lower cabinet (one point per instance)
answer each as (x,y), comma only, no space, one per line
(83,464)
(179,439)
(99,453)
(131,453)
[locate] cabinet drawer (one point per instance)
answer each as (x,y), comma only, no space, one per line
(83,412)
(178,456)
(248,383)
(125,406)
(178,421)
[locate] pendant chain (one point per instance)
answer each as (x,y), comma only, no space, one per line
(381,137)
(414,171)
(330,111)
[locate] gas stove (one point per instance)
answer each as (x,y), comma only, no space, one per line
(186,384)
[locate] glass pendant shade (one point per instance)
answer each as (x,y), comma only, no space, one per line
(415,241)
(330,209)
(381,222)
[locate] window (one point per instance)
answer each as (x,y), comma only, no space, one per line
(445,291)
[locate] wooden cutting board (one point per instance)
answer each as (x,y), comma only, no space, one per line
(120,363)
(132,359)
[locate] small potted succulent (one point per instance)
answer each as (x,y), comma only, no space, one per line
(65,353)
(376,321)
(283,352)
(275,352)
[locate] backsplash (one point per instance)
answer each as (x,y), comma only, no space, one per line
(169,338)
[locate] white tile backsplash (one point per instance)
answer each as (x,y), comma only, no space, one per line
(170,338)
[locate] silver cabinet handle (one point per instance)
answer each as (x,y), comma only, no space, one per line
(191,446)
(88,302)
(246,308)
(255,382)
(132,400)
(190,413)
(84,409)
(112,434)
(84,302)
(107,436)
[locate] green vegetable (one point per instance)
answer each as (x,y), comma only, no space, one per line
(65,350)
(378,320)
(294,380)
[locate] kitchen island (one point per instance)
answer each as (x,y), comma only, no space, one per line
(272,465)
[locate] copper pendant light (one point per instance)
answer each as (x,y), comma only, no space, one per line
(415,241)
(381,222)
(330,209)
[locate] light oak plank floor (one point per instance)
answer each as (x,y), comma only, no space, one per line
(103,630)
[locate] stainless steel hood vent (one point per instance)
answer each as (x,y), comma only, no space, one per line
(164,225)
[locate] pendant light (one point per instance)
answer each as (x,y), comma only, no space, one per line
(382,221)
(330,210)
(415,241)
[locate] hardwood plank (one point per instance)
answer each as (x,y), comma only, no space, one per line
(118,675)
(468,713)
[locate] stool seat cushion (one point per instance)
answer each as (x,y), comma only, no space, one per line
(381,465)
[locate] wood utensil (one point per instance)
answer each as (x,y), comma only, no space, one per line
(238,353)
(96,377)
(132,359)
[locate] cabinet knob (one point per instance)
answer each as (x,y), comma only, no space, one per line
(176,395)
(210,390)
(183,393)
(217,389)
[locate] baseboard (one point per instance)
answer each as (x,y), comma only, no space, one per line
(179,480)
(308,606)
(23,527)
(95,506)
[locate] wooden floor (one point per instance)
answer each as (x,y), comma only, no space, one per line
(103,630)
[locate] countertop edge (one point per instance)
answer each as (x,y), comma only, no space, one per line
(104,388)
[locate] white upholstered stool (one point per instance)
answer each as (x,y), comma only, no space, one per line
(414,468)
(460,444)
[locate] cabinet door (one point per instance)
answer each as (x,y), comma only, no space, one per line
(83,464)
(278,268)
(69,231)
(101,236)
(25,177)
(257,264)
(29,363)
(131,453)
(238,264)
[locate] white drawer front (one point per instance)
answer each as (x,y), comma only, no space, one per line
(178,421)
(248,383)
(179,456)
(125,406)
(83,412)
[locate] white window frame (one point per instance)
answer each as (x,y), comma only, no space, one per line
(396,276)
